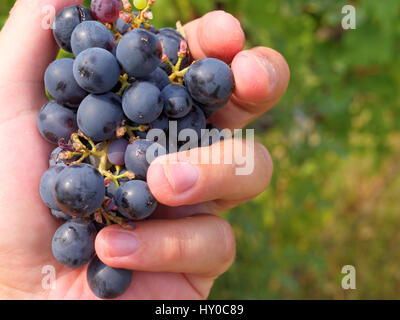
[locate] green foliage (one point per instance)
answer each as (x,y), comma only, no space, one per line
(334,139)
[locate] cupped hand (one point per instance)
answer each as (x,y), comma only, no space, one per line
(181,251)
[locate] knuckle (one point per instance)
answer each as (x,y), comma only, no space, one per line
(228,243)
(175,247)
(265,166)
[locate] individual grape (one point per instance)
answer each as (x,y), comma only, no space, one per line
(158,77)
(142,102)
(116,152)
(100,115)
(135,201)
(138,156)
(61,84)
(65,22)
(177,101)
(47,184)
(139,52)
(210,82)
(56,122)
(58,214)
(195,120)
(73,243)
(106,282)
(140,4)
(96,70)
(92,34)
(79,190)
(171,46)
(106,10)
(171,33)
(121,26)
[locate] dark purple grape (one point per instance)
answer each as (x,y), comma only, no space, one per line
(139,52)
(139,154)
(61,84)
(210,82)
(65,22)
(100,115)
(106,10)
(79,190)
(56,122)
(92,34)
(121,26)
(135,201)
(106,282)
(73,243)
(142,102)
(177,101)
(96,70)
(47,184)
(116,152)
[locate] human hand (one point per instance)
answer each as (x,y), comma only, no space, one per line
(185,246)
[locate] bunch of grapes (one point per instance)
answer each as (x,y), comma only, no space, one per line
(127,78)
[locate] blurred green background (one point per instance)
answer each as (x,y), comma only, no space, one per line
(335,141)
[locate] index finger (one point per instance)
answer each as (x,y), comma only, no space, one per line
(217,34)
(261,74)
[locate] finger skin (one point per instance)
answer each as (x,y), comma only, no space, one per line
(203,245)
(182,179)
(23,35)
(261,79)
(217,34)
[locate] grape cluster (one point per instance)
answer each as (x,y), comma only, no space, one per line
(126,79)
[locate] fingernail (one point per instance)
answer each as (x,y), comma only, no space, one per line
(182,176)
(269,69)
(121,243)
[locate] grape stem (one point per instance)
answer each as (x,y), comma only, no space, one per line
(110,218)
(140,18)
(124,84)
(178,76)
